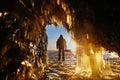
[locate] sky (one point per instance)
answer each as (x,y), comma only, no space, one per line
(54,33)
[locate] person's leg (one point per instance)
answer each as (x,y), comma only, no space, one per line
(63,55)
(59,55)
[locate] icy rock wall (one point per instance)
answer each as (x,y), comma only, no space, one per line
(23,48)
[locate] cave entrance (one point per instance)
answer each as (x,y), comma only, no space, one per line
(54,32)
(89,58)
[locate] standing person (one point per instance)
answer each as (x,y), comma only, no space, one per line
(61,46)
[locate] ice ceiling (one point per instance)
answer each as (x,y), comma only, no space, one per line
(96,19)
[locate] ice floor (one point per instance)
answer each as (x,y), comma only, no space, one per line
(65,70)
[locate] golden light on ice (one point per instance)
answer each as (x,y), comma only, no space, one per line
(77,69)
(68,19)
(5,13)
(26,63)
(58,2)
(0,14)
(64,6)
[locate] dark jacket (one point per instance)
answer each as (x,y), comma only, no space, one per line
(61,43)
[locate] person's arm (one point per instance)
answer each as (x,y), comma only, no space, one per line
(65,44)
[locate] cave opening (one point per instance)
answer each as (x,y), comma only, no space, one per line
(54,32)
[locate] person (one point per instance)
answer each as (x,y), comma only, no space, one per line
(61,46)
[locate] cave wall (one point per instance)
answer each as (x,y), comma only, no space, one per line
(23,48)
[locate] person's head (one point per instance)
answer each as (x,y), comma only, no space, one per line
(61,36)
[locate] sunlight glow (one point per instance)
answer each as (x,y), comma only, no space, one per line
(0,14)
(73,44)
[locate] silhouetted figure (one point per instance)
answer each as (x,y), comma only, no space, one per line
(61,46)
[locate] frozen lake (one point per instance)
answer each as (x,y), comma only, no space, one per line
(59,70)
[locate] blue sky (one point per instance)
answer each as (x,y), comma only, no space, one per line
(54,33)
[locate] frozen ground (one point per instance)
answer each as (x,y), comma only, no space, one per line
(59,70)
